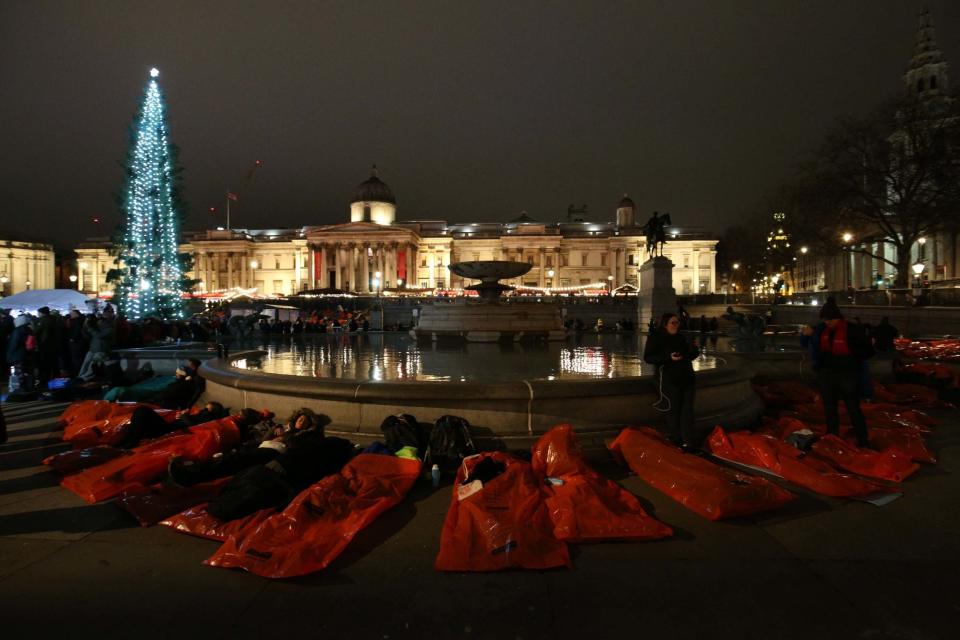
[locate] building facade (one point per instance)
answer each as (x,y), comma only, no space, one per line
(375,251)
(25,265)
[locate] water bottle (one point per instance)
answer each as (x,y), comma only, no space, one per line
(435,475)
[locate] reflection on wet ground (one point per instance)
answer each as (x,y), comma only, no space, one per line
(399,357)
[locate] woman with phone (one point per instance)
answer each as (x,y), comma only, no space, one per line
(673,356)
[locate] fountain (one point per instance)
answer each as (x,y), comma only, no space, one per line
(489,373)
(488,319)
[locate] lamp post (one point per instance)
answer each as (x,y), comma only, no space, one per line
(73,279)
(3,284)
(847,238)
(550,275)
(610,284)
(917,270)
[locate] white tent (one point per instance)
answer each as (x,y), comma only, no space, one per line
(62,300)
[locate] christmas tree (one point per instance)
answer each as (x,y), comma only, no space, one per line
(150,278)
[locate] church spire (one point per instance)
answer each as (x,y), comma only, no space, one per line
(926,75)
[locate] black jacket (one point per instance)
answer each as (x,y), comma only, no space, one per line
(660,345)
(311,456)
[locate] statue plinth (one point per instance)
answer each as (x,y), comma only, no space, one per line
(657,295)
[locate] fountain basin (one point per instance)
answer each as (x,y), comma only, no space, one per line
(503,415)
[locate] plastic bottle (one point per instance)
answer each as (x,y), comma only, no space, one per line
(435,475)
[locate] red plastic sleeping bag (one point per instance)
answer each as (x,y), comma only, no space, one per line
(707,489)
(148,462)
(908,440)
(316,527)
(195,521)
(789,463)
(150,505)
(79,459)
(503,525)
(891,464)
(92,422)
(912,394)
(583,505)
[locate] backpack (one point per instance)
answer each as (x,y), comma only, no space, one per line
(450,443)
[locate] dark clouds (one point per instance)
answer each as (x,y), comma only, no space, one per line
(473,110)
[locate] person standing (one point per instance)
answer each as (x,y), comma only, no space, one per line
(19,355)
(48,345)
(99,333)
(673,356)
(838,349)
(76,341)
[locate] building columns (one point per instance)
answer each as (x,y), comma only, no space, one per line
(695,258)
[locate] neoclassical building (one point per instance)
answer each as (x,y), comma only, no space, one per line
(376,251)
(25,265)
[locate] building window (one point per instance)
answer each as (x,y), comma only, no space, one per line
(441,283)
(424,284)
(366,213)
(277,261)
(564,260)
(933,82)
(685,287)
(549,261)
(686,260)
(630,259)
(583,261)
(603,258)
(423,262)
(476,257)
(277,286)
(584,281)
(564,282)
(919,85)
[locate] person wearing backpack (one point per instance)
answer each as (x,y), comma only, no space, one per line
(838,349)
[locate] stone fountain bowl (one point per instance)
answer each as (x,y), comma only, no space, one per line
(490,270)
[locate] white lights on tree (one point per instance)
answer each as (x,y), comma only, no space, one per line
(151,273)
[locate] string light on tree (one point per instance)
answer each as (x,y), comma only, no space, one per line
(150,277)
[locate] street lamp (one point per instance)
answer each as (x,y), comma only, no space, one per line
(254,264)
(922,240)
(847,237)
(917,270)
(73,279)
(29,284)
(610,284)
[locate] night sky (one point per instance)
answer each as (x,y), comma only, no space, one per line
(473,111)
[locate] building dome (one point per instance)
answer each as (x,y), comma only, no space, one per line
(373,189)
(626,202)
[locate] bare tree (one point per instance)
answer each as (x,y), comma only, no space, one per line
(891,178)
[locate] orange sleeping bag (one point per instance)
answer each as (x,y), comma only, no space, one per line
(150,505)
(890,464)
(319,523)
(583,505)
(148,463)
(705,488)
(789,463)
(195,521)
(93,422)
(502,524)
